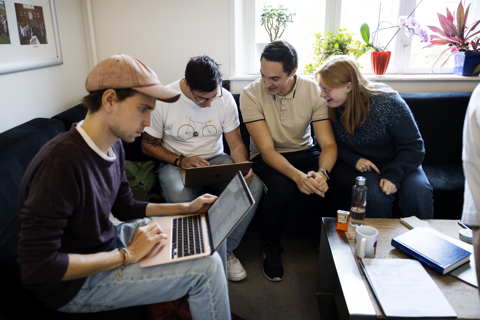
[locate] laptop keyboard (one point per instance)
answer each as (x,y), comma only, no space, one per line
(187,236)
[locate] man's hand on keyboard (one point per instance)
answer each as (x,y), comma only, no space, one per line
(143,241)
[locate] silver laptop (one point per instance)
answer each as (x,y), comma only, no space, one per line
(206,231)
(213,174)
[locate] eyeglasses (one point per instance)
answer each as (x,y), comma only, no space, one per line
(203,100)
(327,92)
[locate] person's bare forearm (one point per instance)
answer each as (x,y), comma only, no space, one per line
(152,147)
(328,157)
(169,209)
(239,153)
(166,209)
(278,162)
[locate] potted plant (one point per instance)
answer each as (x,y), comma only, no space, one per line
(334,44)
(380,55)
(460,41)
(275,21)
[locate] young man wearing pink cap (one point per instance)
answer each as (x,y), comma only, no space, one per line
(70,254)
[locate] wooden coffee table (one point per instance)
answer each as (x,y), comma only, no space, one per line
(342,289)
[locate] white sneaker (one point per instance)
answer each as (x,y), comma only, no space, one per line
(236,272)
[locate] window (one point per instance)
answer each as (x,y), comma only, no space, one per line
(319,16)
(307,22)
(408,55)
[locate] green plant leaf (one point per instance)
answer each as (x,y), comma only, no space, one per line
(476,71)
(461,19)
(365,32)
(275,20)
(334,44)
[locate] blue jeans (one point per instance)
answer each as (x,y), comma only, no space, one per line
(415,194)
(204,280)
(174,191)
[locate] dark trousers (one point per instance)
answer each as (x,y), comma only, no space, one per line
(282,197)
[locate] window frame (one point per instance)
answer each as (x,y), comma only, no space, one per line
(242,40)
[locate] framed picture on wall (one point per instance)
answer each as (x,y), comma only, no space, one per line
(4,34)
(33,37)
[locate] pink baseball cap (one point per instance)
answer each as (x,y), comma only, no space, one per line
(122,71)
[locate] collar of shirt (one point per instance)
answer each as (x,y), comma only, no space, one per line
(110,156)
(291,94)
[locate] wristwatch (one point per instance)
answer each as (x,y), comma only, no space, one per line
(325,172)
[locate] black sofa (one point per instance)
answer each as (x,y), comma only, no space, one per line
(439,116)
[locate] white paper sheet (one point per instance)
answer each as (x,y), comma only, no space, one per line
(404,289)
(467,271)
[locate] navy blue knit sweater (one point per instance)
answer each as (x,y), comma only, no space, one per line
(389,138)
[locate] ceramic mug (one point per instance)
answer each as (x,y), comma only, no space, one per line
(366,242)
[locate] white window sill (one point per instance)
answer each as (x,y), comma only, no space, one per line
(401,83)
(387,77)
(421,77)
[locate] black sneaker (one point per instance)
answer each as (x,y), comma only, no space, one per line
(272,263)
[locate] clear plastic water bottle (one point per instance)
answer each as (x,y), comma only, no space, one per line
(358,205)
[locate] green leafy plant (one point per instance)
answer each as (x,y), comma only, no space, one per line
(334,44)
(454,33)
(275,20)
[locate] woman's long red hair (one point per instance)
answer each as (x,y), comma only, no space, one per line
(337,72)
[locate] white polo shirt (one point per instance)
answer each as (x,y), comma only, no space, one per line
(288,118)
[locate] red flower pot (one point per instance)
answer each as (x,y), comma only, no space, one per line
(380,62)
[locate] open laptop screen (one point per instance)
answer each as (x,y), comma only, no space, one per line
(228,210)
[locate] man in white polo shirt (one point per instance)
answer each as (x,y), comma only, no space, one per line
(277,110)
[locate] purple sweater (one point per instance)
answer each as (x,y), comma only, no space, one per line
(65,199)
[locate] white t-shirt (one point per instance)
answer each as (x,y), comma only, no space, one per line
(471,161)
(188,129)
(109,156)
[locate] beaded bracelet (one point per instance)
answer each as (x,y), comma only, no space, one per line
(126,260)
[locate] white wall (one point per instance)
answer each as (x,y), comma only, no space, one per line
(163,33)
(45,92)
(166,33)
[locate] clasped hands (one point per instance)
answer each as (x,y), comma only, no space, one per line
(365,165)
(312,182)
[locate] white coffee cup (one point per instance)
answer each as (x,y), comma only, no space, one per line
(366,242)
